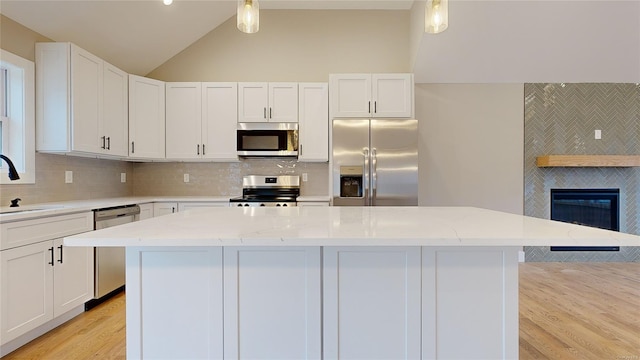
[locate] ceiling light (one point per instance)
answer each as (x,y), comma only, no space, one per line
(167,2)
(436,16)
(248,16)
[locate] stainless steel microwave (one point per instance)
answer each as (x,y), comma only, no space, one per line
(267,139)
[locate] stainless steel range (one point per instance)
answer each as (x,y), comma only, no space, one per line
(258,190)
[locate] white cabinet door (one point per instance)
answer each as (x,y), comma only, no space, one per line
(146,118)
(183,120)
(313,122)
(252,102)
(312,203)
(371,302)
(73,277)
(350,95)
(272,306)
(146,212)
(199,205)
(283,102)
(26,284)
(114,129)
(164,208)
(392,95)
(86,95)
(219,121)
(179,313)
(371,95)
(81,102)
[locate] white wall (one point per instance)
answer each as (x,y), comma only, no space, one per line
(296,45)
(530,41)
(471,145)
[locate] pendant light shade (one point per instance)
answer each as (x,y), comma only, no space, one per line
(436,16)
(248,16)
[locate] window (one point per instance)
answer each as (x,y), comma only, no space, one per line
(17,117)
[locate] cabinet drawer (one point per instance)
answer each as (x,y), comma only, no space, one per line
(26,232)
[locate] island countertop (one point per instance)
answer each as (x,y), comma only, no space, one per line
(350,226)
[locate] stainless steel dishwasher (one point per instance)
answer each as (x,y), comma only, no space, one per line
(109,263)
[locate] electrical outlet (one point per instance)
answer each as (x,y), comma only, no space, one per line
(598,134)
(68,177)
(123,177)
(186,178)
(305,177)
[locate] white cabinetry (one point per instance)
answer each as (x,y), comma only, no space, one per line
(146,118)
(313,100)
(179,316)
(371,95)
(269,288)
(312,203)
(183,120)
(81,102)
(146,212)
(182,206)
(219,120)
(40,279)
(268,102)
(201,121)
(164,208)
(371,302)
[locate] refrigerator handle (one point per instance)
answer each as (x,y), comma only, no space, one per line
(374,176)
(365,191)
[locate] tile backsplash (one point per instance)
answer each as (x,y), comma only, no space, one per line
(92,178)
(222,179)
(561,119)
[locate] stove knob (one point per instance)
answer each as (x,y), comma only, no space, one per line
(262,205)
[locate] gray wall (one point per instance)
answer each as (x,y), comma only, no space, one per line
(561,119)
(471,151)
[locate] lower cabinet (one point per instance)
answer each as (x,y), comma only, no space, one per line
(42,281)
(361,302)
(272,303)
(164,208)
(198,205)
(371,302)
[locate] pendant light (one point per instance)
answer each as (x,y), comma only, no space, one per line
(436,16)
(248,16)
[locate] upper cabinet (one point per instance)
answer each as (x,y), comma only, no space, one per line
(268,102)
(81,102)
(313,122)
(146,118)
(201,121)
(371,95)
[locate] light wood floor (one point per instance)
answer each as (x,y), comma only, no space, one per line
(568,311)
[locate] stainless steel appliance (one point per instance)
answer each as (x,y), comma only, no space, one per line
(260,190)
(267,139)
(109,264)
(375,162)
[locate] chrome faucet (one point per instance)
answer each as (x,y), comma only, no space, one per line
(13,173)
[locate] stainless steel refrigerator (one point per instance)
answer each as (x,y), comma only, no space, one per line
(375,162)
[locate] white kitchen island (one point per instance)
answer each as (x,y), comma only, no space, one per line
(330,282)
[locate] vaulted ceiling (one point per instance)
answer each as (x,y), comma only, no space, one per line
(139,35)
(487,40)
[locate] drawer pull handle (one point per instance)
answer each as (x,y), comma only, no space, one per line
(60,248)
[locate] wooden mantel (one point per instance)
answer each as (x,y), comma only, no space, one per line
(588,161)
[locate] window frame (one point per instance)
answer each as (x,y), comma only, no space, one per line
(19,140)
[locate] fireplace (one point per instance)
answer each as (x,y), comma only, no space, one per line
(591,207)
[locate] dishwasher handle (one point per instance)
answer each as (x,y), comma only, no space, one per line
(115,212)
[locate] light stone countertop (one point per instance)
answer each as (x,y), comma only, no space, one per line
(350,226)
(33,211)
